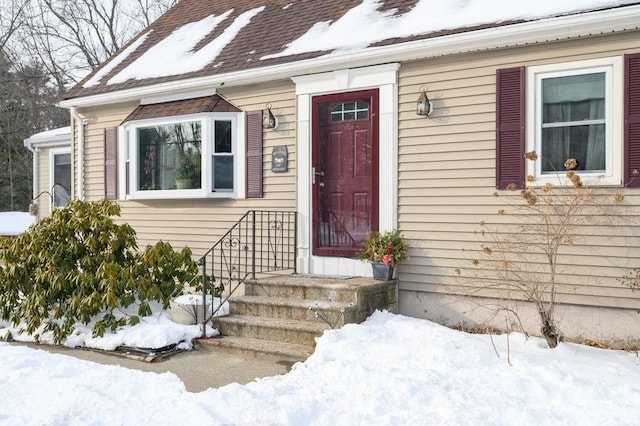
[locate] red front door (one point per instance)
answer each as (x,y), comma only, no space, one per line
(345,172)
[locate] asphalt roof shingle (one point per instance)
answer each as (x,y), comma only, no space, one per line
(267,33)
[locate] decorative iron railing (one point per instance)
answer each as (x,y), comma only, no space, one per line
(260,242)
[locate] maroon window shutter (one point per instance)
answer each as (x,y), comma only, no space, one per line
(254,154)
(111,163)
(632,120)
(510,98)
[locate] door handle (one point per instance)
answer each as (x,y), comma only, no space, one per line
(314,174)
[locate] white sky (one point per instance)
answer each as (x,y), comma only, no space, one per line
(390,370)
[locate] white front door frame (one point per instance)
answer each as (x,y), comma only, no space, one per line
(385,79)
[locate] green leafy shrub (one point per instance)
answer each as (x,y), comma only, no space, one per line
(79,263)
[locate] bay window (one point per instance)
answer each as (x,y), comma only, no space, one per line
(194,156)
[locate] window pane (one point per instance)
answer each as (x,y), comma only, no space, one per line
(169,156)
(336,116)
(61,179)
(584,143)
(362,114)
(222,136)
(573,98)
(126,178)
(127,165)
(567,102)
(358,110)
(223,172)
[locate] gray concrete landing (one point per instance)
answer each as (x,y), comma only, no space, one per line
(200,369)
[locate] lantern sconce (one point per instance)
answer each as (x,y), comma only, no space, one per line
(424,106)
(269,121)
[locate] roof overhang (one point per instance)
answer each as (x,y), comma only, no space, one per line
(199,105)
(587,24)
(49,138)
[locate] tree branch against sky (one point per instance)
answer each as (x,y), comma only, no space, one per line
(72,37)
(12,16)
(46,46)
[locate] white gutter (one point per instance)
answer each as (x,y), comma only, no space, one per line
(36,183)
(533,32)
(80,122)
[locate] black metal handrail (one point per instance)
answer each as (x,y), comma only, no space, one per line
(260,242)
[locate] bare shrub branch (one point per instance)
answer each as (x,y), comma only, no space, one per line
(520,258)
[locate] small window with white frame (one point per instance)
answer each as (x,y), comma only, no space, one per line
(575,113)
(194,156)
(346,111)
(222,153)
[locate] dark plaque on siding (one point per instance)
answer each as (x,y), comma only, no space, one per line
(279,159)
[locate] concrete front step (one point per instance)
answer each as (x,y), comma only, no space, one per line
(364,293)
(333,314)
(255,348)
(277,315)
(299,287)
(271,329)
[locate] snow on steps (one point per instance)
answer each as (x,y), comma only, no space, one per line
(281,316)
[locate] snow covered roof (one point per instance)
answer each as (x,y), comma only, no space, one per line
(59,136)
(14,223)
(197,38)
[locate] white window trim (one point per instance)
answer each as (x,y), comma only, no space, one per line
(52,154)
(127,139)
(613,112)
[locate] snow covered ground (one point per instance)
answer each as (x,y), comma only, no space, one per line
(155,331)
(14,223)
(390,370)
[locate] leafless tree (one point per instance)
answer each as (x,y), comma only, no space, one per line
(12,17)
(72,37)
(45,47)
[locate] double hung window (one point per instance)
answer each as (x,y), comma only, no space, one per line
(574,113)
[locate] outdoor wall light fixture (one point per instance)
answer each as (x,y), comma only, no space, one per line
(424,106)
(269,121)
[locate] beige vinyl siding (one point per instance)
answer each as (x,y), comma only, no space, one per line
(199,223)
(446,177)
(278,187)
(97,119)
(44,201)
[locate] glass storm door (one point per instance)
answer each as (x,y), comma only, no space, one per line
(61,185)
(344,172)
